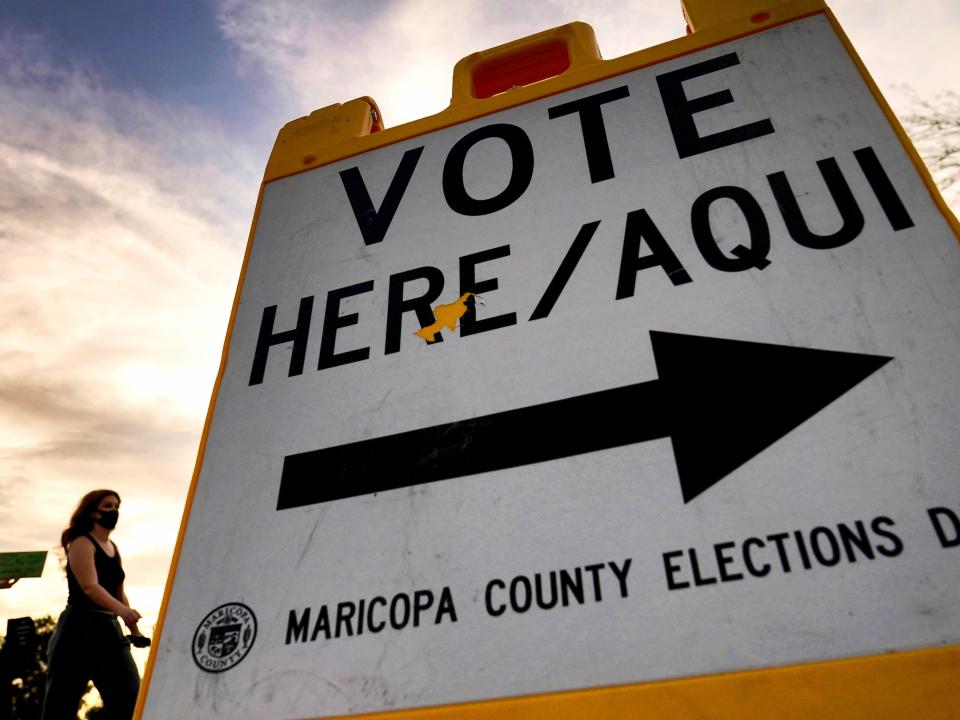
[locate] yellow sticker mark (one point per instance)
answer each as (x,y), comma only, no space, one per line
(445,316)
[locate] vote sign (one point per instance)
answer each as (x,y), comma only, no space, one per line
(650,378)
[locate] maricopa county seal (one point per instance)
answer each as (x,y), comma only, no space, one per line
(224,637)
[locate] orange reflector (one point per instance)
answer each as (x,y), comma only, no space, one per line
(525,66)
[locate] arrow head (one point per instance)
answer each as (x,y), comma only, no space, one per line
(729,399)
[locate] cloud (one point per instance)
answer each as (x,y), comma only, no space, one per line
(402,53)
(903,44)
(122,226)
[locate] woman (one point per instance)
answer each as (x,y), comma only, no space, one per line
(88,643)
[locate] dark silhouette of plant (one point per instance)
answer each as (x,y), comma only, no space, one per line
(934,127)
(28,682)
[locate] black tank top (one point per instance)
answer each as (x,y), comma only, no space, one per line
(110,575)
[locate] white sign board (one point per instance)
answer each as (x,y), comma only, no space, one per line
(700,415)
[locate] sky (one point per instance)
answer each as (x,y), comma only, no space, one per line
(133,137)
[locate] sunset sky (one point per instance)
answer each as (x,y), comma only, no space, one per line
(133,136)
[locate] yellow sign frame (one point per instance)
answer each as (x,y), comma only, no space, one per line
(924,682)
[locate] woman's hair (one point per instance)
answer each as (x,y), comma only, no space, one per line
(81,522)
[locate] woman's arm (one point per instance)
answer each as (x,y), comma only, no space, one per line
(134,630)
(81,559)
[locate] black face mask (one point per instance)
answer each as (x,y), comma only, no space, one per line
(108,519)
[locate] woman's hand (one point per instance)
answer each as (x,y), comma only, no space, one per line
(130,618)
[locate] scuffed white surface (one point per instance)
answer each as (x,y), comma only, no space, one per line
(887,447)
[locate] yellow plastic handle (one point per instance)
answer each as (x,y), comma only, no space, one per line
(308,141)
(703,14)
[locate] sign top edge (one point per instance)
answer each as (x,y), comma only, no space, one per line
(343,130)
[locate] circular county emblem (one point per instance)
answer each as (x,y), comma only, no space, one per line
(224,637)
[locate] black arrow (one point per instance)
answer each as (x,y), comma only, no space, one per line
(720,401)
